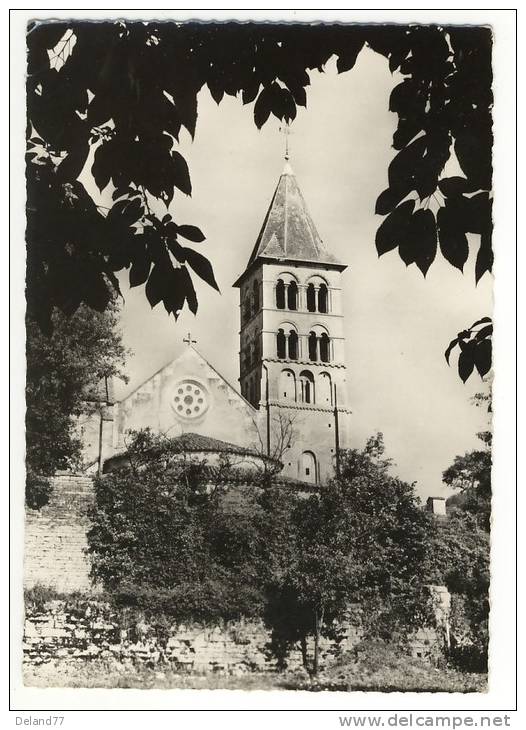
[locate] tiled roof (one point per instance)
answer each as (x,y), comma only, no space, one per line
(288,231)
(196,442)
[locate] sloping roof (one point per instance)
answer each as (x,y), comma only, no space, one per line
(189,442)
(190,351)
(288,231)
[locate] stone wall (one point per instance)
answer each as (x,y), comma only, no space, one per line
(55,537)
(79,631)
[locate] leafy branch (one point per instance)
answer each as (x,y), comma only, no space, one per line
(475,349)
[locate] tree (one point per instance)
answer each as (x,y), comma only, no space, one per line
(272,442)
(63,371)
(123,90)
(359,539)
(470,474)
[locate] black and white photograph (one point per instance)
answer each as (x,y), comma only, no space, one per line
(259,316)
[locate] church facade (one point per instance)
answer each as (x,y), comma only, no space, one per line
(292,366)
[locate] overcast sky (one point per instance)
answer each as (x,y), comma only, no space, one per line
(398,324)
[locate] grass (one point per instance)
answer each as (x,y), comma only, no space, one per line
(403,675)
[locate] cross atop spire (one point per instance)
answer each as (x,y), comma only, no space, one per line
(286,130)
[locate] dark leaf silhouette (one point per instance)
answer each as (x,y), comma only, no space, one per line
(156,285)
(450,348)
(475,349)
(394,228)
(465,364)
(453,241)
(201,266)
(419,245)
(191,233)
(482,357)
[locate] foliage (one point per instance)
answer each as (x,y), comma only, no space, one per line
(114,96)
(164,540)
(475,349)
(64,370)
(375,666)
(460,558)
(361,539)
(471,475)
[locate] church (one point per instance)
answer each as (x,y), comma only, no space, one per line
(292,366)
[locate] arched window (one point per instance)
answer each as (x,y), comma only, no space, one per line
(292,295)
(313,346)
(323,298)
(324,390)
(281,344)
(307,467)
(293,345)
(307,387)
(311,298)
(280,294)
(287,385)
(325,347)
(255,296)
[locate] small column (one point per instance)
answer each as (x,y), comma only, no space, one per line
(286,346)
(286,297)
(316,295)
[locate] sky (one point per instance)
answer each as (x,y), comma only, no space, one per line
(397,323)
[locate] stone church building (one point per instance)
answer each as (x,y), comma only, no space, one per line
(291,359)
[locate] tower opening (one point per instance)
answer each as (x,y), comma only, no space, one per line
(323,299)
(324,347)
(307,387)
(307,467)
(280,294)
(311,298)
(313,346)
(281,344)
(293,345)
(292,296)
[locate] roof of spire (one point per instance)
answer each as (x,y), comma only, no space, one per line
(288,231)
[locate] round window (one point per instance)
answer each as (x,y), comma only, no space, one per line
(190,400)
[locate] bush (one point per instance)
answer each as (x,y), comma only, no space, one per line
(163,539)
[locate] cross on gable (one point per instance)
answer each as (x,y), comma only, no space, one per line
(188,340)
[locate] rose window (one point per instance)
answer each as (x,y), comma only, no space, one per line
(190,400)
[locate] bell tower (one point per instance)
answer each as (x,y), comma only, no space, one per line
(292,348)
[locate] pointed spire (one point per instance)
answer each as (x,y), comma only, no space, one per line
(288,231)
